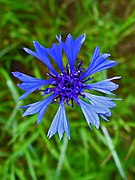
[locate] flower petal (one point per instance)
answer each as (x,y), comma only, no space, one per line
(56,54)
(99,62)
(102,116)
(91,113)
(58,38)
(30,84)
(96,54)
(24,77)
(100,101)
(23,96)
(41,54)
(59,124)
(105,86)
(38,107)
(71,48)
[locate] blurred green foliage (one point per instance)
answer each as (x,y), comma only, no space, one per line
(25,151)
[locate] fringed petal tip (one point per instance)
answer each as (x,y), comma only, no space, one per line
(12,73)
(58,37)
(35,42)
(83,38)
(95,125)
(16,74)
(38,122)
(49,136)
(26,50)
(97,48)
(116,77)
(68,136)
(59,124)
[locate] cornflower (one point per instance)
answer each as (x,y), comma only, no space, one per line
(71,85)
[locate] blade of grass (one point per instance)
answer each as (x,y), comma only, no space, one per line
(21,147)
(30,165)
(12,175)
(52,150)
(114,153)
(131,149)
(7,49)
(62,157)
(10,86)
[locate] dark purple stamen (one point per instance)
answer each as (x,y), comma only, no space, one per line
(50,74)
(79,64)
(88,79)
(68,85)
(67,69)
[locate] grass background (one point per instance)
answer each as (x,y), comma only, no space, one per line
(25,151)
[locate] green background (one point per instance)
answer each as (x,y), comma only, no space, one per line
(25,151)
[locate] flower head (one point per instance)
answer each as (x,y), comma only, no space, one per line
(71,85)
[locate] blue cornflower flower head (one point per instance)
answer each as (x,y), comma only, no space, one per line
(71,85)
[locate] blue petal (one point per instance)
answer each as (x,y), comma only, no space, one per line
(58,38)
(25,78)
(102,116)
(100,101)
(38,107)
(56,54)
(71,48)
(30,84)
(59,124)
(91,113)
(105,86)
(42,112)
(41,54)
(99,62)
(28,92)
(96,54)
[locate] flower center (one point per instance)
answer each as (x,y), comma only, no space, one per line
(67,85)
